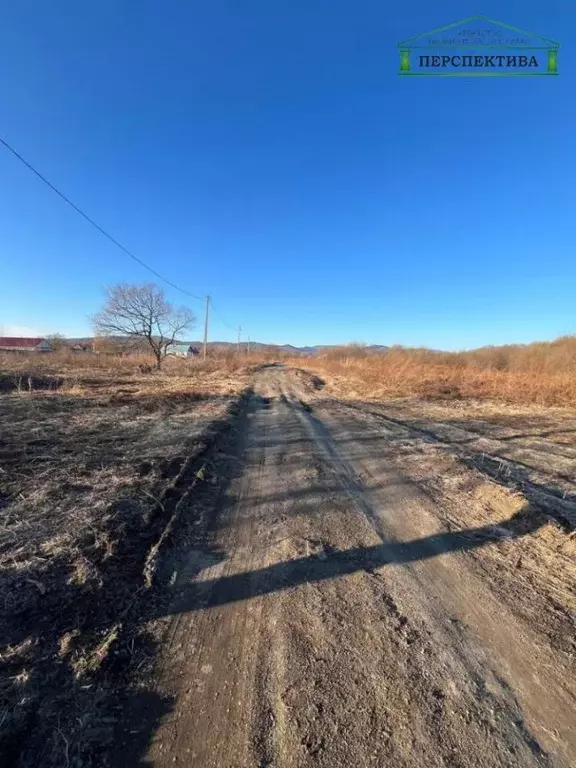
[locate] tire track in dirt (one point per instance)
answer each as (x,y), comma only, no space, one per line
(217,648)
(367,459)
(489,456)
(327,620)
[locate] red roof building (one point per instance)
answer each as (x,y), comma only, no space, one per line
(23,344)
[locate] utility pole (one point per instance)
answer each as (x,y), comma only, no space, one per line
(248,351)
(239,333)
(206,327)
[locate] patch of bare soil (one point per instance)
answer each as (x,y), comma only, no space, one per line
(330,583)
(359,593)
(94,472)
(484,463)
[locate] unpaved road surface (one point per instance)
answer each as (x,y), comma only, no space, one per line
(345,607)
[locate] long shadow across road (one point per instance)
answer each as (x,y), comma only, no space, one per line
(334,563)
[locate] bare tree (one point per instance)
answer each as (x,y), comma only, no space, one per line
(58,341)
(142,313)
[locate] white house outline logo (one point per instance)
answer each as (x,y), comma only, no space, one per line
(499,50)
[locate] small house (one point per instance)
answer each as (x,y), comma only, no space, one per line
(23,344)
(184,350)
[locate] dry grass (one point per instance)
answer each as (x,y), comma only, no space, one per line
(68,363)
(543,374)
(94,456)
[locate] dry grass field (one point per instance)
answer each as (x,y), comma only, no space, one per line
(98,459)
(540,373)
(95,458)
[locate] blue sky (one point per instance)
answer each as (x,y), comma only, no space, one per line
(269,154)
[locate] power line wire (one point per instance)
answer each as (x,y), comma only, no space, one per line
(231,327)
(95,225)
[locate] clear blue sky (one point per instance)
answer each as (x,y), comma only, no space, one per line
(269,154)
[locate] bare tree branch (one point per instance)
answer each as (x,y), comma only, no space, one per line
(142,312)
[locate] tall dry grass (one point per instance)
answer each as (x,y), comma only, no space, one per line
(543,373)
(127,376)
(65,361)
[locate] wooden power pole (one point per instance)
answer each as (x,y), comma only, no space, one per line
(206,328)
(239,334)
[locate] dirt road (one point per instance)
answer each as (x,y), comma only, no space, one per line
(336,611)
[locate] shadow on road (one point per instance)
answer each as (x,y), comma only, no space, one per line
(332,564)
(142,711)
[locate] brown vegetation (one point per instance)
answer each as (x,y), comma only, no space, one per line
(542,373)
(98,452)
(70,364)
(95,459)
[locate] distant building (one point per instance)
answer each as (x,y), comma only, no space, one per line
(22,344)
(184,350)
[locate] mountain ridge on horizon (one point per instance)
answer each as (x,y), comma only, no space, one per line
(292,348)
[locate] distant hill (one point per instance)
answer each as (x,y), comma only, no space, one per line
(286,348)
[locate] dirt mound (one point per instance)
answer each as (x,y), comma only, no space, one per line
(308,380)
